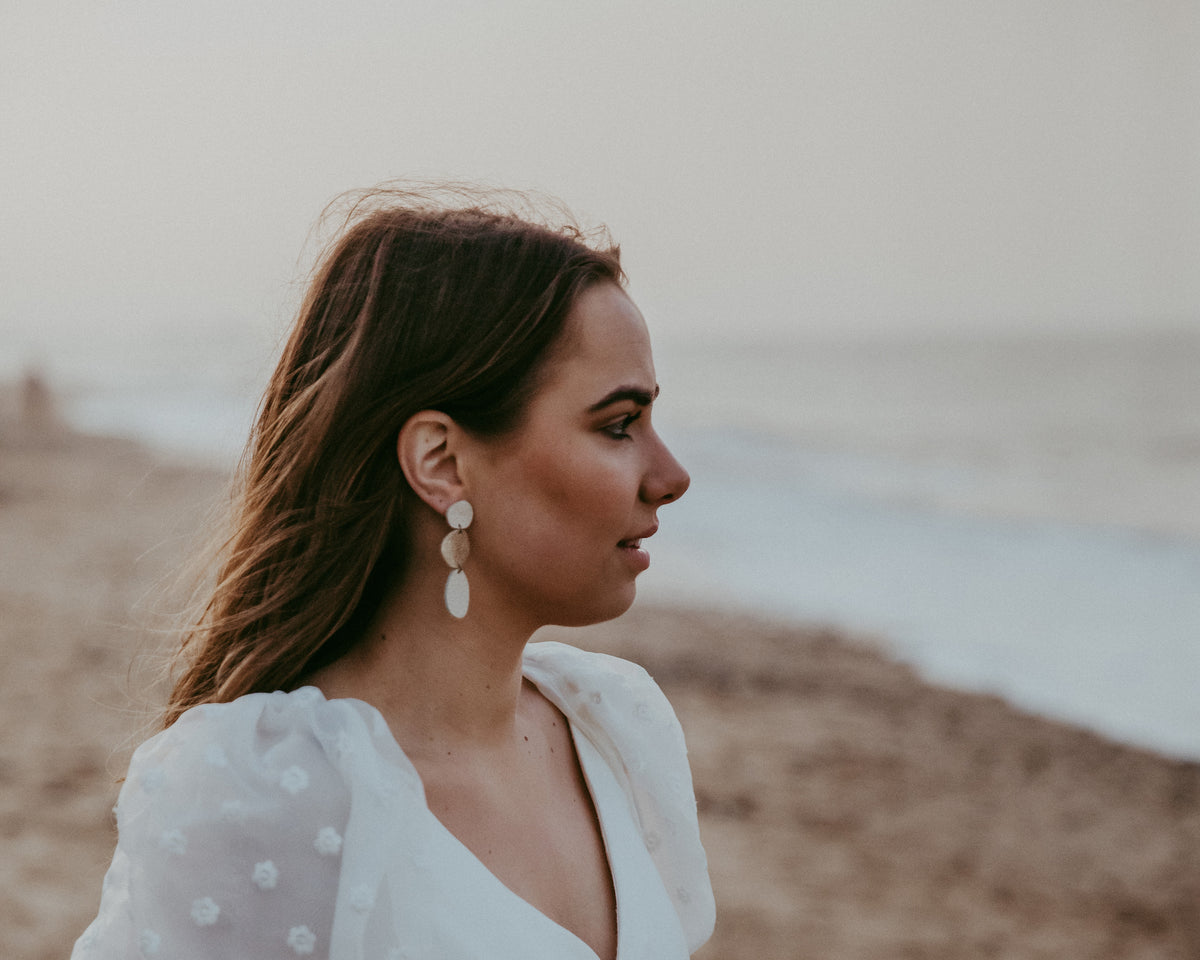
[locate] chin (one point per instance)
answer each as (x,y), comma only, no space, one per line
(594,609)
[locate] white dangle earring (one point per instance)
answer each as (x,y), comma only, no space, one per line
(456,547)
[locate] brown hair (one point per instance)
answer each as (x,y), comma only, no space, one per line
(444,299)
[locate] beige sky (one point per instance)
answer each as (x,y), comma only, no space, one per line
(767,166)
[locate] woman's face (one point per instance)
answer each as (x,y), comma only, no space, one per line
(564,504)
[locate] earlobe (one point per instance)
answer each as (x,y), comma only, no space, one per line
(426,451)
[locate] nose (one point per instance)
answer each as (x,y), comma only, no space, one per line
(666,480)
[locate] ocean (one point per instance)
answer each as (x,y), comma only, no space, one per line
(1016,515)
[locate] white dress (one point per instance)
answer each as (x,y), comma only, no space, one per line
(285,825)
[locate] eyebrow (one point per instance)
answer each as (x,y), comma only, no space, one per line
(638,395)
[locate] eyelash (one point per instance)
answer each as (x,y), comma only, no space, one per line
(619,430)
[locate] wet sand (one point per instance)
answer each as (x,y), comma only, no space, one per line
(850,810)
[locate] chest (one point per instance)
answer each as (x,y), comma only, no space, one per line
(540,836)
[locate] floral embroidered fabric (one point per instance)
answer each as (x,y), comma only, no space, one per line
(288,825)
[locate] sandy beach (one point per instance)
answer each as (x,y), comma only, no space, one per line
(850,809)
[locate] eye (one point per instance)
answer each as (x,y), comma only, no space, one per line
(619,429)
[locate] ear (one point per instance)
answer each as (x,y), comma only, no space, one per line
(427,449)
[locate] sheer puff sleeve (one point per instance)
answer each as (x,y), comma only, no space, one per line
(231,825)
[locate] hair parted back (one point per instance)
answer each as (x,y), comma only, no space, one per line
(443,297)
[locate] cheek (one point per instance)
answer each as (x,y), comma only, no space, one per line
(552,479)
(587,490)
(576,496)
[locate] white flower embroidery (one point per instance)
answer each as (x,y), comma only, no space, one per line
(153,779)
(294,779)
(596,698)
(362,898)
(214,755)
(149,941)
(328,842)
(173,841)
(266,875)
(302,940)
(205,911)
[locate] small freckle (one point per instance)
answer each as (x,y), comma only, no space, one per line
(526,739)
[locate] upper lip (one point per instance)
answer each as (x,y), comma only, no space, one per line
(637,538)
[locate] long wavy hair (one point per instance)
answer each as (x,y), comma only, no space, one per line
(446,299)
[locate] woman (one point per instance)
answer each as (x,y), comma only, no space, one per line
(362,756)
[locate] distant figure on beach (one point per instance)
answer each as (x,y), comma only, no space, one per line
(363,756)
(37,417)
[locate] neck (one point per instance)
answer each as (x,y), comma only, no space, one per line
(443,685)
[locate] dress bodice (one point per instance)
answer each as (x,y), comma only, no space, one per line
(285,824)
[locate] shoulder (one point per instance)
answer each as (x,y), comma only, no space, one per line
(271,745)
(234,825)
(263,754)
(579,675)
(262,773)
(610,699)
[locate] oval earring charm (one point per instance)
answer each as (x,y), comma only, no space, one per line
(456,547)
(458,594)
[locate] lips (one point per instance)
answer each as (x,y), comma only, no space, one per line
(635,542)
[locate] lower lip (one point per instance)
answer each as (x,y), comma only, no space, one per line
(637,557)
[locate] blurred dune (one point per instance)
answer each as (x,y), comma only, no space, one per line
(850,810)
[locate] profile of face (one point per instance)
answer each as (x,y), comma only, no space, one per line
(565,502)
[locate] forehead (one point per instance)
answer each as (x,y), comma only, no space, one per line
(605,344)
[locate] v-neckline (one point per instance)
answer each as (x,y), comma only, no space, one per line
(605,835)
